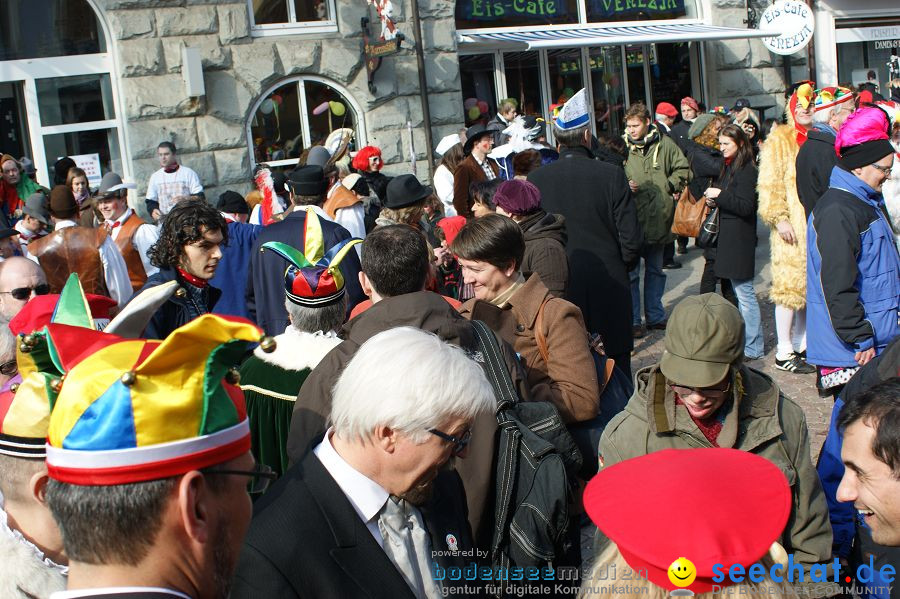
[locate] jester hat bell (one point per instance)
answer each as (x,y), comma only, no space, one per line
(134,410)
(312,278)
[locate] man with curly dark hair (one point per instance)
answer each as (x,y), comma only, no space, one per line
(188,251)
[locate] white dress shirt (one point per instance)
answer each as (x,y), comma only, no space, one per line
(365,495)
(115,271)
(443,187)
(145,236)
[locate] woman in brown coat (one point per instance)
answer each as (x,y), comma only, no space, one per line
(490,251)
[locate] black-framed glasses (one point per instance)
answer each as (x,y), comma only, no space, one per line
(260,477)
(885,170)
(9,368)
(23,293)
(459,443)
(704,391)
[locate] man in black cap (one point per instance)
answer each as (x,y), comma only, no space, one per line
(130,233)
(231,276)
(265,287)
(476,167)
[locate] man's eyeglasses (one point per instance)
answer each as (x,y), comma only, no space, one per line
(9,368)
(885,170)
(23,293)
(459,443)
(709,393)
(260,477)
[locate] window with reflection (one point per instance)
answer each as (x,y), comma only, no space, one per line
(48,28)
(272,12)
(79,99)
(297,115)
(476,73)
(474,14)
(607,87)
(523,81)
(566,75)
(103,142)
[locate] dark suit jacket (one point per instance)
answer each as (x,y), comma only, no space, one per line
(306,540)
(604,237)
(468,172)
(265,281)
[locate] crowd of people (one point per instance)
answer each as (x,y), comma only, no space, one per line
(427,390)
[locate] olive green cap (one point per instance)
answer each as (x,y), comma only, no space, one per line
(704,338)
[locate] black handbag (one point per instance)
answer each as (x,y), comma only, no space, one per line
(709,230)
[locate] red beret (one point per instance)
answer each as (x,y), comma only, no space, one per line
(690,102)
(666,109)
(36,314)
(711,506)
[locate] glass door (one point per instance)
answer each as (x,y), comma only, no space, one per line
(566,74)
(14,138)
(634,67)
(476,72)
(522,71)
(608,89)
(670,73)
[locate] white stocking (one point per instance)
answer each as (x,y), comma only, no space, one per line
(784,319)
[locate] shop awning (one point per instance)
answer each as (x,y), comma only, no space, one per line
(604,35)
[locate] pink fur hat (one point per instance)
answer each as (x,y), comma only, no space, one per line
(864,138)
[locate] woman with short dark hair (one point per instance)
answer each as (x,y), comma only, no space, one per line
(547,332)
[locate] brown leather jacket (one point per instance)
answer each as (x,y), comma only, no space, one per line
(68,250)
(569,378)
(468,172)
(136,271)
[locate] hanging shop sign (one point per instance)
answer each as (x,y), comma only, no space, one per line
(490,10)
(376,50)
(793,24)
(614,9)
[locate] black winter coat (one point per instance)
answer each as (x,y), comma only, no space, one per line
(545,250)
(736,252)
(815,161)
(265,279)
(604,239)
(706,164)
(177,311)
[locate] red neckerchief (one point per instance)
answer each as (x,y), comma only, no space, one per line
(710,426)
(195,281)
(729,160)
(172,167)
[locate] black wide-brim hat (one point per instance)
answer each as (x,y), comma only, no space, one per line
(405,190)
(473,134)
(307,180)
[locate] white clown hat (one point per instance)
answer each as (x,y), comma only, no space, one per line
(574,113)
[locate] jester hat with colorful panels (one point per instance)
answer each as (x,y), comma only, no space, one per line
(312,278)
(25,406)
(134,410)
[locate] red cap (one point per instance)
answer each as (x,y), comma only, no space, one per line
(666,109)
(690,102)
(36,314)
(711,506)
(451,226)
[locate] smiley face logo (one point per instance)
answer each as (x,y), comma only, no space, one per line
(682,572)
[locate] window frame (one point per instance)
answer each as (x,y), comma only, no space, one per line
(300,80)
(292,26)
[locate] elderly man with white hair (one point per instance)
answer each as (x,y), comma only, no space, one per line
(372,510)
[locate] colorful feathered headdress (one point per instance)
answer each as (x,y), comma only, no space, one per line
(312,277)
(803,96)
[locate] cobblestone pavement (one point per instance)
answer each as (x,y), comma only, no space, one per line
(684,282)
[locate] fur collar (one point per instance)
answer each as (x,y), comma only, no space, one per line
(298,350)
(24,571)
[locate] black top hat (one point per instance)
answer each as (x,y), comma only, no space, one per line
(307,180)
(405,190)
(473,134)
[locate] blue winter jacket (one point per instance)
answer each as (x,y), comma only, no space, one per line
(853,274)
(231,275)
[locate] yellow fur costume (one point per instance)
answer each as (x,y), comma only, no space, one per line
(778,201)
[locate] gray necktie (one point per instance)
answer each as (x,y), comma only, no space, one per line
(408,546)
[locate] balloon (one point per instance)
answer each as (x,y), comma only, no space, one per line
(569,92)
(614,81)
(337,109)
(267,106)
(607,77)
(483,106)
(320,108)
(474,113)
(277,99)
(470,102)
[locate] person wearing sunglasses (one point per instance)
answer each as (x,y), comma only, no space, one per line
(853,279)
(20,280)
(372,510)
(701,394)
